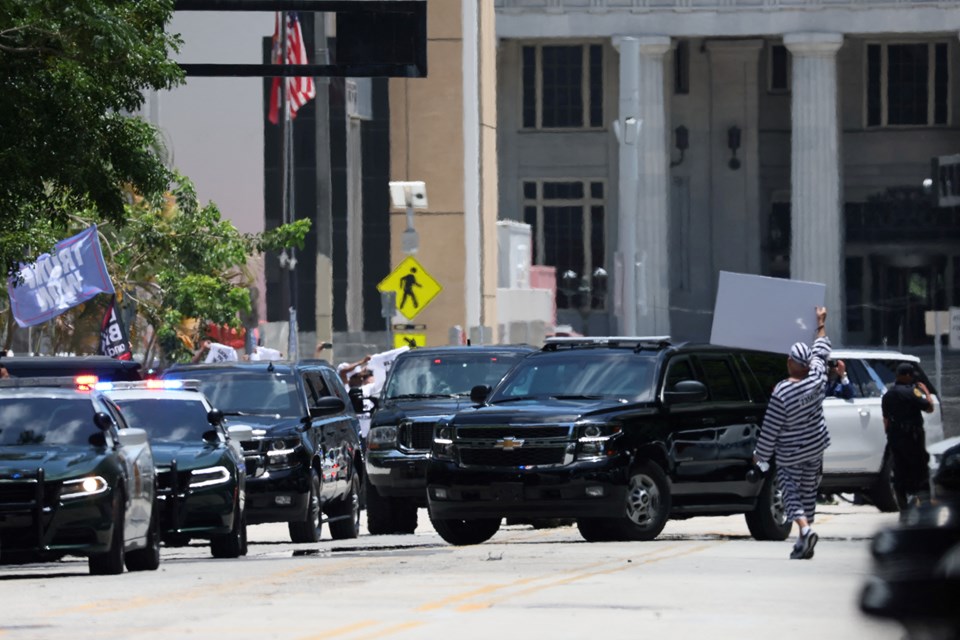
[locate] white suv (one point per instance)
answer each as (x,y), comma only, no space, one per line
(857,461)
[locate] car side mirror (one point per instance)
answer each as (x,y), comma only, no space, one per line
(211,437)
(327,406)
(356,399)
(102,420)
(215,416)
(685,391)
(479,393)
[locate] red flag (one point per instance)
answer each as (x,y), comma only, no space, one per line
(113,336)
(299,90)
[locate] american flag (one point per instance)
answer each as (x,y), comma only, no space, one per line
(299,90)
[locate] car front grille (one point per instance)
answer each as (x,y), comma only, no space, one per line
(416,435)
(513,446)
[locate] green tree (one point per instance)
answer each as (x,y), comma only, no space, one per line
(70,72)
(172,262)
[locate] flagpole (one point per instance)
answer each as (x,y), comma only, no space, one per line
(288,193)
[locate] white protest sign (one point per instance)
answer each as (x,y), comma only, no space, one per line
(380,364)
(765,314)
(221,353)
(265,353)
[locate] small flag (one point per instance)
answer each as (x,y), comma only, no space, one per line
(299,90)
(113,336)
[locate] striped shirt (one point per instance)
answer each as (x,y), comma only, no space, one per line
(793,426)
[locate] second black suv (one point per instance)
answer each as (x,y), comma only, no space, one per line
(619,433)
(424,385)
(305,459)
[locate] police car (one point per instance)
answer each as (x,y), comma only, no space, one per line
(74,478)
(200,465)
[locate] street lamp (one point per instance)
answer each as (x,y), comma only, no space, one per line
(584,292)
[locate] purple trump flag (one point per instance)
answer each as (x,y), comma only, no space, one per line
(74,273)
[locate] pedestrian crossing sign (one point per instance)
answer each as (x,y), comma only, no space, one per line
(411,340)
(415,288)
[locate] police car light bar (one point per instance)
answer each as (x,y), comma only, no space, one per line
(83,383)
(157,385)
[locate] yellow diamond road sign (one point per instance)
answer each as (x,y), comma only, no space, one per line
(415,288)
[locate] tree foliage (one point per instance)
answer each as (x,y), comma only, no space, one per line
(70,72)
(176,265)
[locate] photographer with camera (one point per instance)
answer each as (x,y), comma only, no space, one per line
(838,384)
(902,405)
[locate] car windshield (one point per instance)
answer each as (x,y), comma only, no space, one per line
(432,375)
(258,393)
(167,420)
(624,376)
(46,421)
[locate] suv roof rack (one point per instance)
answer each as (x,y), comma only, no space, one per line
(637,343)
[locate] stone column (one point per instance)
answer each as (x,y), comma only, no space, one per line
(817,248)
(652,260)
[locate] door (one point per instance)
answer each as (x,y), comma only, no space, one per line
(328,443)
(857,439)
(693,435)
(737,419)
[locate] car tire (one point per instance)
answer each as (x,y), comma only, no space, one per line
(379,512)
(883,495)
(233,544)
(465,532)
(111,562)
(768,520)
(309,529)
(348,528)
(646,506)
(148,558)
(596,529)
(404,516)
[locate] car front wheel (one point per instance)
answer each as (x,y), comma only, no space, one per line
(768,520)
(309,529)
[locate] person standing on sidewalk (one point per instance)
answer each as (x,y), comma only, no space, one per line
(903,424)
(795,435)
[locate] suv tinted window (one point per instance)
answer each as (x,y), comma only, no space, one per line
(679,369)
(447,374)
(586,373)
(254,392)
(721,379)
(769,368)
(887,371)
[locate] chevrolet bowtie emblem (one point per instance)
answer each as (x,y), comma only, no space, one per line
(508,444)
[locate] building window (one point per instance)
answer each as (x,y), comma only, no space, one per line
(562,86)
(568,226)
(778,69)
(907,84)
(681,68)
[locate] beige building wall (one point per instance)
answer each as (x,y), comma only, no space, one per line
(427,143)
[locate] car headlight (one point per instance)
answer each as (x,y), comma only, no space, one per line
(208,477)
(382,437)
(83,487)
(593,438)
(443,447)
(282,453)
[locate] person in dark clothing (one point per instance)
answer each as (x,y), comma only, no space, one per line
(902,405)
(838,384)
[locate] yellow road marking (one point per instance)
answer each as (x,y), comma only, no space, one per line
(338,631)
(653,557)
(397,628)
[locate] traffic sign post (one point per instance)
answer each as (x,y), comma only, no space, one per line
(413,287)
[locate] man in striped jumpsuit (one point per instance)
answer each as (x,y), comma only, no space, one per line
(794,433)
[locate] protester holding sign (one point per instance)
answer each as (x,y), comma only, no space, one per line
(795,433)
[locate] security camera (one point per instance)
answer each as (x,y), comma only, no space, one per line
(404,194)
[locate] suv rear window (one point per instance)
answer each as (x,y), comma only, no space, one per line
(446,374)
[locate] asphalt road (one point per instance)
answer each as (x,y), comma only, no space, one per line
(703,578)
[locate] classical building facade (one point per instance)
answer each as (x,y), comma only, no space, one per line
(652,144)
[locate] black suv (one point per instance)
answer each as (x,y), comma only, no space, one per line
(424,385)
(619,433)
(305,459)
